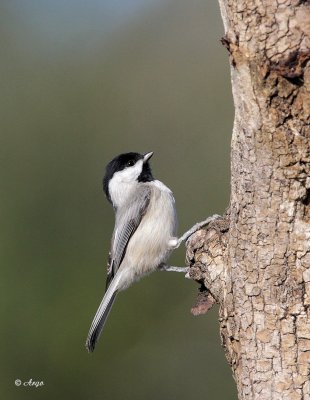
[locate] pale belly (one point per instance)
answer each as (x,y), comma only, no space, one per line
(149,245)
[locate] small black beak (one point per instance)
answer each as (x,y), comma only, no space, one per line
(147,156)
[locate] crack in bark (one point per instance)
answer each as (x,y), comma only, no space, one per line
(292,67)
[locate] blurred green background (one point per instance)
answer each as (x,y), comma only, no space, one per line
(82,81)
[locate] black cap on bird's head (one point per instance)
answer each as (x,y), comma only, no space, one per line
(135,167)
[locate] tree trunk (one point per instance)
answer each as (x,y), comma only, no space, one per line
(255,262)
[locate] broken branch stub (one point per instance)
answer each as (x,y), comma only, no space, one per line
(205,256)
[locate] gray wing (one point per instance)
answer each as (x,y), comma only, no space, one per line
(127,221)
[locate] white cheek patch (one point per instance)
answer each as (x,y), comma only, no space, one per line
(122,182)
(129,174)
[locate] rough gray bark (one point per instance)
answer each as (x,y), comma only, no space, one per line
(255,262)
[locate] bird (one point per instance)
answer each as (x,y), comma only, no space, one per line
(144,233)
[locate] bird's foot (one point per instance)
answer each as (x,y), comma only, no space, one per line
(170,268)
(195,228)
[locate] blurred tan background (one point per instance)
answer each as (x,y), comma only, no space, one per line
(82,81)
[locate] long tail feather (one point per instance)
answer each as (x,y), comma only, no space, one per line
(102,314)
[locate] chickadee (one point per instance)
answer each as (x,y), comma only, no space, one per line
(144,232)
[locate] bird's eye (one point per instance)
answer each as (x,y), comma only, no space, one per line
(130,163)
